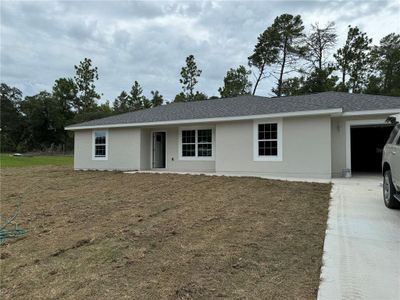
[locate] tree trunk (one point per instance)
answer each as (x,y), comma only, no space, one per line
(320,59)
(343,77)
(282,70)
(258,79)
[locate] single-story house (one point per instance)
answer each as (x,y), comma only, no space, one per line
(319,135)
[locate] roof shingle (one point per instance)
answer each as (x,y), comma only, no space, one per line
(248,106)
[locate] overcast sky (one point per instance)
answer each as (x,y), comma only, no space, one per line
(148,41)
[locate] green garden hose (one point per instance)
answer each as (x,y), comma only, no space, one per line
(11,230)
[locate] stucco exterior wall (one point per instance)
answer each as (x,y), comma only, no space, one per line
(338,128)
(306,145)
(313,147)
(145,149)
(123,150)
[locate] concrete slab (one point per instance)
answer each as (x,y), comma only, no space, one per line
(362,245)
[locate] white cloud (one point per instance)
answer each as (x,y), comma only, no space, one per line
(149,41)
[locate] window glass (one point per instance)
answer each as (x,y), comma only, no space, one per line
(268,139)
(204,136)
(268,148)
(398,137)
(100,151)
(205,150)
(204,139)
(188,136)
(393,134)
(188,149)
(100,144)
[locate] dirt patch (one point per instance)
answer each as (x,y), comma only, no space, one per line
(109,235)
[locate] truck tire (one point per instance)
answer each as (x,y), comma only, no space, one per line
(389,191)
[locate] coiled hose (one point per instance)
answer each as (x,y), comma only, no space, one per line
(9,229)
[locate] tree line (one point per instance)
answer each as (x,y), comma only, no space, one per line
(292,61)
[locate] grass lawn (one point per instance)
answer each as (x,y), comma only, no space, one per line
(109,235)
(7,160)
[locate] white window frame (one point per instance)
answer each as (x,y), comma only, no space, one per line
(94,144)
(196,157)
(277,157)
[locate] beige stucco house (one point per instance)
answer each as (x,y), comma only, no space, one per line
(320,135)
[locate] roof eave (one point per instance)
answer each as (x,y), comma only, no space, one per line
(333,112)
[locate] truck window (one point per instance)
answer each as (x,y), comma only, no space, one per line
(393,135)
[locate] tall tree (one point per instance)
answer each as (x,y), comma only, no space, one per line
(319,43)
(189,74)
(85,78)
(265,54)
(157,99)
(136,98)
(353,60)
(99,111)
(65,93)
(319,80)
(45,121)
(10,117)
(293,86)
(288,30)
(181,97)
(199,96)
(147,103)
(385,79)
(120,104)
(236,82)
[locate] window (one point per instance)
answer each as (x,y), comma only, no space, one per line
(197,144)
(188,143)
(398,137)
(393,135)
(100,145)
(268,140)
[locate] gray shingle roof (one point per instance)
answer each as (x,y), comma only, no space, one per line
(250,105)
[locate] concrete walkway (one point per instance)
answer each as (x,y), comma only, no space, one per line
(232,174)
(362,244)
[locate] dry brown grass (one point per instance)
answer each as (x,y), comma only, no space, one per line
(107,235)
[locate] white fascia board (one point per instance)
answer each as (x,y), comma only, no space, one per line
(333,111)
(371,112)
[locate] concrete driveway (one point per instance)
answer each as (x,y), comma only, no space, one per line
(362,244)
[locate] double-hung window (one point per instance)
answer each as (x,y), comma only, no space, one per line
(196,144)
(100,144)
(268,140)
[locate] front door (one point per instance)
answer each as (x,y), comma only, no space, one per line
(159,151)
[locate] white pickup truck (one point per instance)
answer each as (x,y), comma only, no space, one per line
(391,169)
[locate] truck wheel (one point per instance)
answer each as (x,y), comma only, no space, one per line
(388,191)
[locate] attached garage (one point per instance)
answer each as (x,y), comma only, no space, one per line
(367,143)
